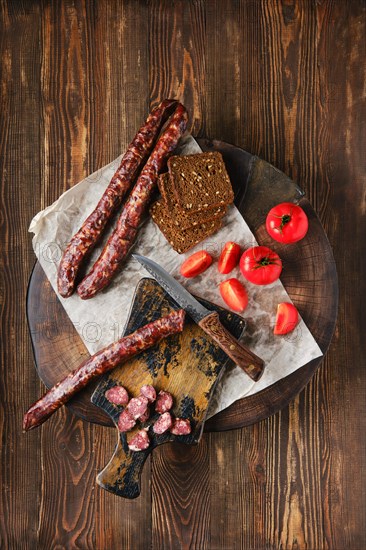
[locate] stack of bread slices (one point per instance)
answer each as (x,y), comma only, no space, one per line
(194,195)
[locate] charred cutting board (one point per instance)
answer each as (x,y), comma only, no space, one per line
(188,365)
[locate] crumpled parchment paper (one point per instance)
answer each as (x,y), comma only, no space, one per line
(101,320)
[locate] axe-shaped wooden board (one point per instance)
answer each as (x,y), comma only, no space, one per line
(188,365)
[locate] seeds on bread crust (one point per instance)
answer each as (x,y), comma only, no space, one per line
(184,218)
(206,169)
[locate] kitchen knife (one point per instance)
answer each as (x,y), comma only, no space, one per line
(208,320)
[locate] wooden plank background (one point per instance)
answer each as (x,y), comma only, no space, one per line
(282,79)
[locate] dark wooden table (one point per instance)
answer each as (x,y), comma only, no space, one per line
(284,80)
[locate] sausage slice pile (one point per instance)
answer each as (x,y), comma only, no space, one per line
(137,410)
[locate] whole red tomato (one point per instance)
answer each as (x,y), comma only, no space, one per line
(260,265)
(287,223)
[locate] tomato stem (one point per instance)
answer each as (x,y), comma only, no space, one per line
(286,218)
(263,262)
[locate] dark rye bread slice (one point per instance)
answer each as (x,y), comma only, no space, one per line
(182,218)
(181,241)
(200,181)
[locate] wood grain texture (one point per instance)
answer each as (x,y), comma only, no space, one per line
(282,79)
(263,71)
(181,503)
(177,59)
(20,470)
(341,386)
(65,37)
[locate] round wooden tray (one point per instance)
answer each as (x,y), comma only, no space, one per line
(309,275)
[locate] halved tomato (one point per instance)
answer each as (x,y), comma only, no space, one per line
(229,257)
(196,264)
(234,294)
(286,319)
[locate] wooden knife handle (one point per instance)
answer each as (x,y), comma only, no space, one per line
(242,356)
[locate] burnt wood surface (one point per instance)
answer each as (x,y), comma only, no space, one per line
(284,80)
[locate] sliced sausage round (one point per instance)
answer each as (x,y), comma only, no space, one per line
(148,392)
(163,423)
(139,442)
(181,426)
(117,395)
(125,422)
(164,402)
(137,406)
(145,417)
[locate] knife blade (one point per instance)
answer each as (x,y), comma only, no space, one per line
(208,320)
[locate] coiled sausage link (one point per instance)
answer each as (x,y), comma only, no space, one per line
(121,240)
(103,361)
(83,242)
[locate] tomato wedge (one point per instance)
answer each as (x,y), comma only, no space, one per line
(234,294)
(286,319)
(229,257)
(196,264)
(260,265)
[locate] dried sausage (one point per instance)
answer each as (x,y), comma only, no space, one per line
(145,417)
(137,406)
(140,441)
(117,395)
(124,235)
(103,361)
(181,426)
(149,392)
(100,363)
(163,423)
(164,402)
(83,242)
(125,421)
